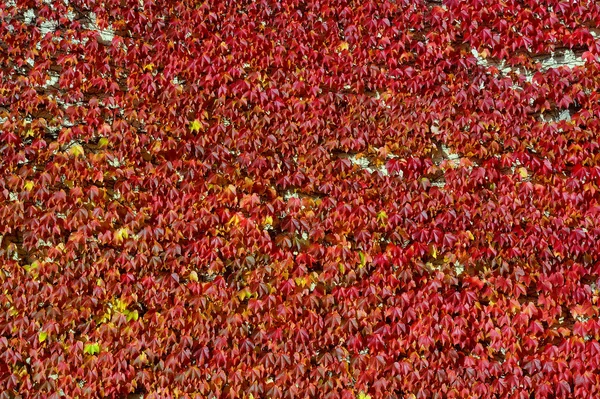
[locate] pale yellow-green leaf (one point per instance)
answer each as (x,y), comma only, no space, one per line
(34,265)
(363,395)
(193,276)
(42,336)
(131,315)
(103,142)
(76,150)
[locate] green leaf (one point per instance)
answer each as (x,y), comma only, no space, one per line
(76,150)
(42,336)
(363,260)
(92,349)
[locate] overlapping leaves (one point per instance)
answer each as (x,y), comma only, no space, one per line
(299,199)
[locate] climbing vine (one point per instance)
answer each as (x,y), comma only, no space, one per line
(290,199)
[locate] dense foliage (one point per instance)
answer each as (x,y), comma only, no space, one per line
(324,199)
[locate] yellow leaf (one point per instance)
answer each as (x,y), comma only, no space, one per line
(142,357)
(363,395)
(29,133)
(120,234)
(470,235)
(149,67)
(103,142)
(28,185)
(132,315)
(120,306)
(300,281)
(42,336)
(244,294)
(105,317)
(522,172)
(434,254)
(195,126)
(268,220)
(235,220)
(193,276)
(76,150)
(343,46)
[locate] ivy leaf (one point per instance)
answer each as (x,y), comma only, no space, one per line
(343,46)
(76,150)
(92,349)
(121,234)
(363,259)
(131,315)
(195,126)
